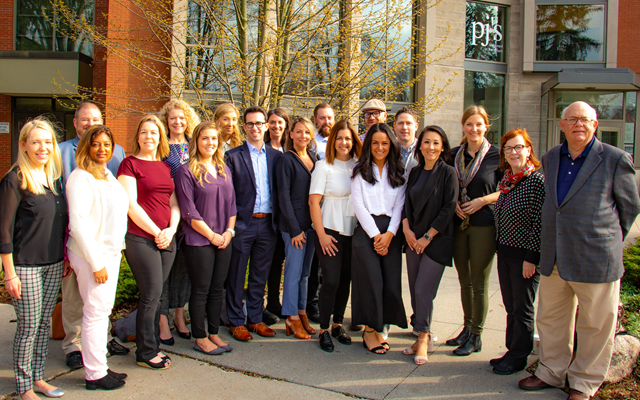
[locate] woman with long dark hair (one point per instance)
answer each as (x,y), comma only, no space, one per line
(377,192)
(208,207)
(334,221)
(477,166)
(430,204)
(518,214)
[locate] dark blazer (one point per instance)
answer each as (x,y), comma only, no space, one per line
(584,234)
(293,180)
(244,183)
(435,210)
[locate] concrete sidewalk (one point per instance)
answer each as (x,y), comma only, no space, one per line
(282,367)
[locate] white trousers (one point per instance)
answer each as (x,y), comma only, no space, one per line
(98,301)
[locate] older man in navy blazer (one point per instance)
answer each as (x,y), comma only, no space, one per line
(590,205)
(252,167)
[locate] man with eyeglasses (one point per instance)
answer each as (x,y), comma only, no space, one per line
(374,112)
(252,167)
(591,203)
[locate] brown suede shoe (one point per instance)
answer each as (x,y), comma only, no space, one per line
(261,329)
(577,395)
(240,333)
(533,383)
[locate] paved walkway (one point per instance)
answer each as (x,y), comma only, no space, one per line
(281,367)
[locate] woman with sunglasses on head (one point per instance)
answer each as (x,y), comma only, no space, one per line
(98,207)
(208,207)
(334,221)
(33,220)
(179,119)
(153,220)
(518,215)
(430,204)
(377,193)
(293,177)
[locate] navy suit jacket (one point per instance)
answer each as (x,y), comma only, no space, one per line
(294,181)
(244,183)
(583,235)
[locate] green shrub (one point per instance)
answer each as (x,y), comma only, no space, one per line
(631,260)
(127,292)
(630,288)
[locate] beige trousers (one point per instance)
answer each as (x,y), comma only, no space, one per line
(72,305)
(595,327)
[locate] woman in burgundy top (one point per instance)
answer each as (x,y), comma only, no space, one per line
(153,219)
(208,207)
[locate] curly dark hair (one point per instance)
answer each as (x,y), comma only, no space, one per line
(365,164)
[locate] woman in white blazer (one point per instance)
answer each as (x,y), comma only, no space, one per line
(98,207)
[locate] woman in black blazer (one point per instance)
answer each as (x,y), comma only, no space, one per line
(293,177)
(430,204)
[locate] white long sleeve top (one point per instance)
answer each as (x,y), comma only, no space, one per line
(378,199)
(97,216)
(333,182)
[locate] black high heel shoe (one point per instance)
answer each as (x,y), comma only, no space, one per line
(182,334)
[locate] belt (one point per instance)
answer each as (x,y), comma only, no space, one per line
(260,215)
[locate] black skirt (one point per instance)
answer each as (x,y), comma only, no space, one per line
(376,296)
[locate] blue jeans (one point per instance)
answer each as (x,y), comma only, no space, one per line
(296,273)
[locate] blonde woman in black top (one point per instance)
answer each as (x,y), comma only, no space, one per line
(518,214)
(33,219)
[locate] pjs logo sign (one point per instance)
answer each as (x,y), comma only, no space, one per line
(485,32)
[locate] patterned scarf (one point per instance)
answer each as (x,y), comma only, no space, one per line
(466,173)
(509,180)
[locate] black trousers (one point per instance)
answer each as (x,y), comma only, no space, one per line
(314,283)
(150,267)
(275,278)
(424,279)
(207,267)
(376,297)
(518,296)
(336,279)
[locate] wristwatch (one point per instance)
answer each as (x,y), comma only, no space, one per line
(426,236)
(233,233)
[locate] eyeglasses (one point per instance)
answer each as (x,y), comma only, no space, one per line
(574,120)
(372,114)
(258,125)
(511,149)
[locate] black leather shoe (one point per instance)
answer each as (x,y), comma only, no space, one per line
(496,361)
(107,382)
(509,368)
(118,375)
(326,343)
(339,333)
(116,349)
(461,338)
(74,360)
(269,318)
(168,342)
(474,344)
(313,313)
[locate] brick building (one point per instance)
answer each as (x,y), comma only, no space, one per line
(524,60)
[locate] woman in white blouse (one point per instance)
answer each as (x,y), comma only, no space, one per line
(98,207)
(377,193)
(334,222)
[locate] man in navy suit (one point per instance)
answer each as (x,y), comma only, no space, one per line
(252,167)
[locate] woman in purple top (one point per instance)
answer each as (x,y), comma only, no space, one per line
(208,207)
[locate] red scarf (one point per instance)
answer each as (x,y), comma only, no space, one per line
(509,180)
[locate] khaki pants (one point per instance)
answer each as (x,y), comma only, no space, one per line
(595,326)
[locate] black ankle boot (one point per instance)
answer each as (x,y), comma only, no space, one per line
(461,338)
(474,344)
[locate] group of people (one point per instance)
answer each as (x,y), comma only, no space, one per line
(196,204)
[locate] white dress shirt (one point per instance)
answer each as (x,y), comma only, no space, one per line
(378,199)
(333,182)
(97,217)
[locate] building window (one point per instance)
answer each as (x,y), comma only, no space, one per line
(487,89)
(574,32)
(40,27)
(485,32)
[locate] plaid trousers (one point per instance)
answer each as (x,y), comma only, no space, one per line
(40,287)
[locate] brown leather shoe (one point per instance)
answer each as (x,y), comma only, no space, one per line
(533,383)
(305,324)
(577,395)
(240,333)
(261,329)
